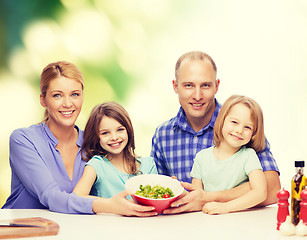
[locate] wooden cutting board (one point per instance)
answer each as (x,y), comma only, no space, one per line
(48,227)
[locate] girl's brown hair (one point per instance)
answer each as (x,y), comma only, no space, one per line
(55,70)
(257,141)
(91,144)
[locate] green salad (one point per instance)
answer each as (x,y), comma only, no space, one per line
(155,192)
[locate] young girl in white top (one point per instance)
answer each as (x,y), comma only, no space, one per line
(238,135)
(109,149)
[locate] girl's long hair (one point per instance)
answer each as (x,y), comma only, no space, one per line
(257,141)
(91,144)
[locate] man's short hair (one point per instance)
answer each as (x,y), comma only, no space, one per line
(194,55)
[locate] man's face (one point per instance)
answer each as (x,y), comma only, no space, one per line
(196,87)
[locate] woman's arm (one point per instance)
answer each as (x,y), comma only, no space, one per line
(33,170)
(256,195)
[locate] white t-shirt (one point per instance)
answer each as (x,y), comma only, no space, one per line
(219,175)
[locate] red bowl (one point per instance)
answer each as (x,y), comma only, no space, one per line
(133,184)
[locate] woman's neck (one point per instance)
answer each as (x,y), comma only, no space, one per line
(61,133)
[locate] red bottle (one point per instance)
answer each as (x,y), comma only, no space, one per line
(303,212)
(283,206)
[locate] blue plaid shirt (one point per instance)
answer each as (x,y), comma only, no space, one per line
(175,144)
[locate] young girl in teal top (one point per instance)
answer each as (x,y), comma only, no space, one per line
(109,149)
(238,135)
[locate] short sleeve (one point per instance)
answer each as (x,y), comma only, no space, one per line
(196,169)
(96,162)
(252,161)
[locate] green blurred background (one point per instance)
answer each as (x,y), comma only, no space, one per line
(127,49)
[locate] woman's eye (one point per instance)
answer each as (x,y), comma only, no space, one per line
(104,133)
(57,95)
(75,94)
(234,122)
(121,129)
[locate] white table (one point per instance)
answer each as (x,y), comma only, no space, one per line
(257,224)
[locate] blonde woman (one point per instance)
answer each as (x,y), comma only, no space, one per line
(45,158)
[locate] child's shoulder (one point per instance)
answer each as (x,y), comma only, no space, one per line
(248,150)
(96,158)
(144,159)
(205,150)
(147,165)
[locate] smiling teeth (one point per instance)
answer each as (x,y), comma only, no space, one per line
(67,113)
(197,105)
(114,145)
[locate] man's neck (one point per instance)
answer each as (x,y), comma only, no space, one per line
(198,124)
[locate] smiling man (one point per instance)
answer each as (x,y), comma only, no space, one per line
(176,141)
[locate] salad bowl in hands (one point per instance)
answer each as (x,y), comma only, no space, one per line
(154,190)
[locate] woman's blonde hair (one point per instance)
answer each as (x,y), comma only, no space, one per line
(55,70)
(257,141)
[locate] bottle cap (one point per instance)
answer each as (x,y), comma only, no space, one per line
(299,163)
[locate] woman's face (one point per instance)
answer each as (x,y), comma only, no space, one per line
(63,101)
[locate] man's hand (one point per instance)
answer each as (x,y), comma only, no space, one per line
(191,201)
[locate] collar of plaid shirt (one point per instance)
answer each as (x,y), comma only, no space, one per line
(182,122)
